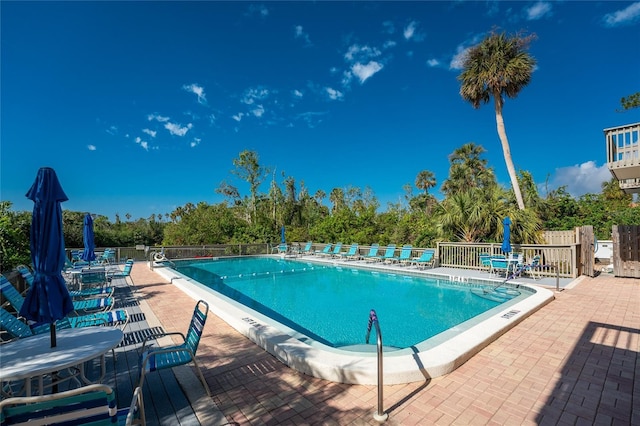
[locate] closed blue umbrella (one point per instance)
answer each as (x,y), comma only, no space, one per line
(506,240)
(48,299)
(89,241)
(282,238)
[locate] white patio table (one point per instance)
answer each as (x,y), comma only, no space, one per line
(33,357)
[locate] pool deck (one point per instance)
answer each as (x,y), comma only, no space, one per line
(575,361)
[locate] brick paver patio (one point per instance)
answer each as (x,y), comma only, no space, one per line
(574,362)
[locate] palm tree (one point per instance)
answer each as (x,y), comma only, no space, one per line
(468,170)
(499,66)
(425,181)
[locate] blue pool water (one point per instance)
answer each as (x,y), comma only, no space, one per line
(331,305)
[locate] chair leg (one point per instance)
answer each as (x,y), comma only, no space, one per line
(204,382)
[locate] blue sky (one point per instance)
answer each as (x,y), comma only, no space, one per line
(141,107)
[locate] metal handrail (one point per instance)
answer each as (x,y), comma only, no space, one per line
(380,415)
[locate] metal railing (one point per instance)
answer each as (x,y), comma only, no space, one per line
(380,415)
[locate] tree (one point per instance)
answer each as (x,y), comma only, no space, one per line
(467,170)
(425,181)
(499,66)
(249,169)
(630,102)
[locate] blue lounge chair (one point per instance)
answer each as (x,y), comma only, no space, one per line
(373,253)
(93,404)
(157,358)
(125,273)
(16,300)
(405,255)
(389,253)
(325,251)
(336,250)
(306,249)
(426,259)
(76,294)
(351,254)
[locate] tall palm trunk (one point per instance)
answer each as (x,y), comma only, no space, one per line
(502,134)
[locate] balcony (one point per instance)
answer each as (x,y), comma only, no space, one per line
(623,156)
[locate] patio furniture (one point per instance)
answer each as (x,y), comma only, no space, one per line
(425,259)
(351,253)
(33,357)
(373,253)
(93,404)
(102,291)
(153,359)
(125,273)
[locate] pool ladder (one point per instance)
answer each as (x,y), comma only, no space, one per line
(380,416)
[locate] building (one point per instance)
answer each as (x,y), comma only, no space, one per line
(623,156)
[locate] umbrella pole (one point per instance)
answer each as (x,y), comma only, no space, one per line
(52,328)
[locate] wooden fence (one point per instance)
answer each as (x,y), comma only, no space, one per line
(626,250)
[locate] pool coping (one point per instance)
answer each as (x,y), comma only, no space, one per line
(344,366)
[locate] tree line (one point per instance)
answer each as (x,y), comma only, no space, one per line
(472,210)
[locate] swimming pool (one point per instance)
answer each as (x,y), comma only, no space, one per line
(330,305)
(258,296)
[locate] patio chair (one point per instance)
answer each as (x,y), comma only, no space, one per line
(282,248)
(93,404)
(336,250)
(485,260)
(16,300)
(352,254)
(373,253)
(125,273)
(389,253)
(325,251)
(306,249)
(153,359)
(533,268)
(405,255)
(77,294)
(19,329)
(425,259)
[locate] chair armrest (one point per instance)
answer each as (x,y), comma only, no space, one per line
(156,335)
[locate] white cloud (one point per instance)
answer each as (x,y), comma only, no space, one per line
(363,72)
(625,16)
(196,90)
(410,32)
(357,53)
(538,10)
(91,147)
(457,61)
(238,116)
(112,130)
(176,129)
(142,143)
(258,9)
(157,117)
(334,94)
(297,94)
(150,132)
(254,94)
(433,62)
(389,44)
(258,111)
(195,142)
(585,178)
(299,33)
